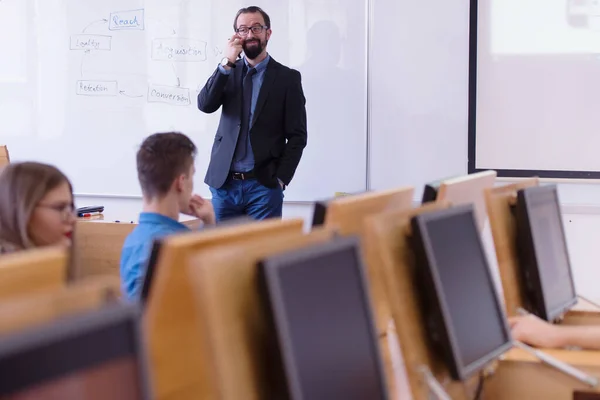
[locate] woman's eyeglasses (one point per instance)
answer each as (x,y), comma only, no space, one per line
(66,210)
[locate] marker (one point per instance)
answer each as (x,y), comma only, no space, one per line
(88,214)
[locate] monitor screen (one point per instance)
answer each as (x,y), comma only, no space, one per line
(466,316)
(323,322)
(544,258)
(94,356)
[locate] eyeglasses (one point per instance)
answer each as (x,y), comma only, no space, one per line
(66,210)
(256,29)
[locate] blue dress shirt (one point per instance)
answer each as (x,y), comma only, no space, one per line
(247,164)
(137,249)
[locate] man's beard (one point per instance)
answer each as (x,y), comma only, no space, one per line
(254,51)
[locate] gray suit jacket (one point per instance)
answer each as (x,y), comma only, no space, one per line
(278,130)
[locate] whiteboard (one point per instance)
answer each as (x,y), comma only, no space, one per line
(419,90)
(83,82)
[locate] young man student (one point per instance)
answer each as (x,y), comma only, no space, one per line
(165,167)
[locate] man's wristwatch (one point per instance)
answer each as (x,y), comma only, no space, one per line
(226,63)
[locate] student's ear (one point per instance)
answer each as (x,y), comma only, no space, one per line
(180,183)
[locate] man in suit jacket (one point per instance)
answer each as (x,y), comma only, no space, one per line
(262,131)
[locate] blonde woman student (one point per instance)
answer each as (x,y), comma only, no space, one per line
(36,207)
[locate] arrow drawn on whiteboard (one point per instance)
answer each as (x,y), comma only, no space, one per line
(83,57)
(162,25)
(103,20)
(176,76)
(122,93)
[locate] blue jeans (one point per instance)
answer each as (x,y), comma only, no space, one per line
(246,197)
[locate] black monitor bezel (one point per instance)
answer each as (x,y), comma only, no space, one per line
(59,332)
(319,213)
(430,192)
(151,265)
(269,268)
(529,265)
(433,293)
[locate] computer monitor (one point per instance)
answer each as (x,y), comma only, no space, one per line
(157,244)
(543,255)
(466,189)
(150,270)
(320,208)
(320,212)
(93,356)
(319,306)
(465,318)
(431,189)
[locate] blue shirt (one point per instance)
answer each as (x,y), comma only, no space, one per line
(137,249)
(247,164)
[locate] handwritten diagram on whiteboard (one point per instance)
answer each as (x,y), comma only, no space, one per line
(87,80)
(174,49)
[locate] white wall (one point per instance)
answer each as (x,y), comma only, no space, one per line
(583,236)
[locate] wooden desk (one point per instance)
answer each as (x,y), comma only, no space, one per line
(583,313)
(520,375)
(99,241)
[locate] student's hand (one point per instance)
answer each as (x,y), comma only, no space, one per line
(234,48)
(535,331)
(202,209)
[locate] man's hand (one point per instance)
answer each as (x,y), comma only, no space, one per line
(234,48)
(202,209)
(536,332)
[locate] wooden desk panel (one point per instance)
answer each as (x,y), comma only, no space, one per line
(33,271)
(99,241)
(522,376)
(504,231)
(29,310)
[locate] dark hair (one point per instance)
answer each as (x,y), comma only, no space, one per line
(252,10)
(161,158)
(23,185)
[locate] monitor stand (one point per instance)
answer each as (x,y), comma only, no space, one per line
(561,366)
(594,306)
(436,388)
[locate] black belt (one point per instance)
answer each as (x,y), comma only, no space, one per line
(242,176)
